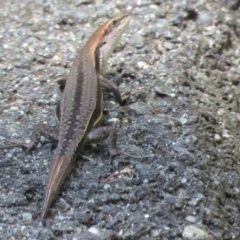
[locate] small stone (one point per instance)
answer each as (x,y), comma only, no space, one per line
(81,2)
(162,91)
(178,205)
(94,233)
(191,219)
(183,120)
(27,216)
(156,233)
(225,134)
(168,45)
(142,64)
(114,120)
(217,138)
(9,156)
(107,187)
(192,232)
(220,112)
(177,147)
(183,180)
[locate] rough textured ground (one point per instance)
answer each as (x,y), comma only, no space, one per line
(180,62)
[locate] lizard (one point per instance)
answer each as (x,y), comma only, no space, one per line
(80,107)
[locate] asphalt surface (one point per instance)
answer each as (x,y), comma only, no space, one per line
(178,65)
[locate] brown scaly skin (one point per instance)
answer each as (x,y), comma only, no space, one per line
(80,108)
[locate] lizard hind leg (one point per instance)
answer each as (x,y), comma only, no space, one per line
(102,133)
(39,130)
(45,130)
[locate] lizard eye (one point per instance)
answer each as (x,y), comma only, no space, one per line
(114,23)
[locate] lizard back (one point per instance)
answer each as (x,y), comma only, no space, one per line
(77,104)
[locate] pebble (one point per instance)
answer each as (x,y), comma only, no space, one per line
(191,219)
(192,232)
(27,216)
(142,64)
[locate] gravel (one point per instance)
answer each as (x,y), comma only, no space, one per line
(178,65)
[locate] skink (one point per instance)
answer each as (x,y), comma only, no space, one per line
(80,107)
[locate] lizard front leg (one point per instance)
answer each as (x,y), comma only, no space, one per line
(112,87)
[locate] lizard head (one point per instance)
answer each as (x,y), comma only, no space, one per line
(113,30)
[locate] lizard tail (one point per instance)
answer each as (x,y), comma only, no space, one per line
(60,167)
